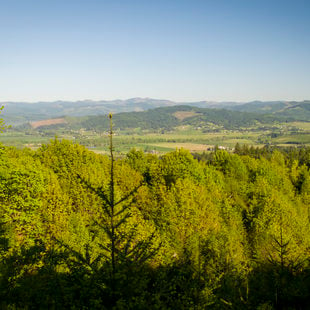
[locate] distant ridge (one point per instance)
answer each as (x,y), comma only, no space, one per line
(17,113)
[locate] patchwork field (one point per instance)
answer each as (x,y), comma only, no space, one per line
(47,122)
(161,141)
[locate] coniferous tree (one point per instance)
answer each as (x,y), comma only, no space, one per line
(126,243)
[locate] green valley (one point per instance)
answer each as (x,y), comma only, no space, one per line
(167,128)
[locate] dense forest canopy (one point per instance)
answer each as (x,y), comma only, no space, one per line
(216,230)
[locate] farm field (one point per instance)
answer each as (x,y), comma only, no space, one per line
(162,141)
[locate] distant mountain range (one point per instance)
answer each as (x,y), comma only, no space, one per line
(17,113)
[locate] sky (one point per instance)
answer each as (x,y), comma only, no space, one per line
(182,50)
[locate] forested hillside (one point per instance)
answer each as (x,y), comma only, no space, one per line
(222,231)
(168,118)
(290,109)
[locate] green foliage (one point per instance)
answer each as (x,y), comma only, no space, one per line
(80,230)
(2,125)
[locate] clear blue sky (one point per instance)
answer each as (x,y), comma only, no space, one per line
(190,50)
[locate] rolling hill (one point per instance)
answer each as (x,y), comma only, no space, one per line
(168,118)
(153,114)
(290,109)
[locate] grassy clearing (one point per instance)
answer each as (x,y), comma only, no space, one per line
(301,125)
(293,139)
(181,115)
(233,142)
(189,146)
